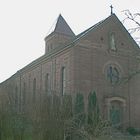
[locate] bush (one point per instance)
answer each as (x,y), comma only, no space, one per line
(133,131)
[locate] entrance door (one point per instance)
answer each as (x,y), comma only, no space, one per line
(116,113)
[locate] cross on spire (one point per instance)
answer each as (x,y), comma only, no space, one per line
(111,9)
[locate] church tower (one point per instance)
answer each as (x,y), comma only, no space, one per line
(60,35)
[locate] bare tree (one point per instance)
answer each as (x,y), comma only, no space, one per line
(134,18)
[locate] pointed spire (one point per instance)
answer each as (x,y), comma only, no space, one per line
(61,26)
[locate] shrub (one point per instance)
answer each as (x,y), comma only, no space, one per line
(133,131)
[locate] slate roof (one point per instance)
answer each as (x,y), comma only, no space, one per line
(62,27)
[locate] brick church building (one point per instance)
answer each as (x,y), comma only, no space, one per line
(104,58)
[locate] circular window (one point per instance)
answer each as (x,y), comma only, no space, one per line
(113,74)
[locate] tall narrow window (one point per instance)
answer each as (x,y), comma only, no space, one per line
(16,97)
(34,89)
(63,80)
(112,42)
(24,93)
(47,83)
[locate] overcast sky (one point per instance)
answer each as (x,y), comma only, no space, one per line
(25,23)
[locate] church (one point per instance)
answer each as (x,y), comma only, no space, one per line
(104,58)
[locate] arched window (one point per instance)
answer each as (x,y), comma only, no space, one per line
(34,89)
(63,80)
(47,83)
(113,74)
(51,47)
(16,97)
(112,42)
(24,93)
(48,48)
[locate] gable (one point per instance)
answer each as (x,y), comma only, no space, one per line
(99,35)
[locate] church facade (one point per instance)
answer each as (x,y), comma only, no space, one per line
(103,58)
